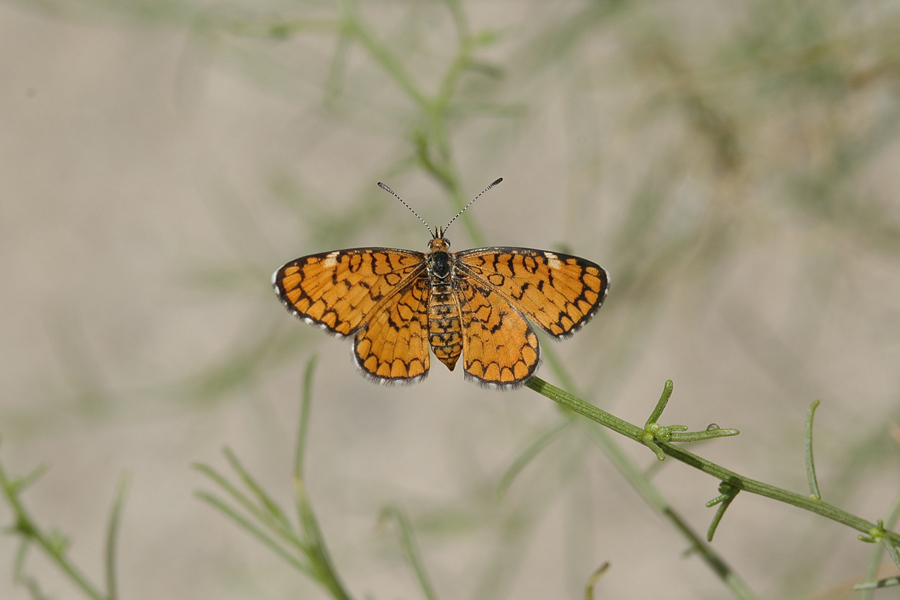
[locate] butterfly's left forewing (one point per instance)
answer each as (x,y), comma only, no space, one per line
(559,292)
(339,290)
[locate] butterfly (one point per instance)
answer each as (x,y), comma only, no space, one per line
(475,304)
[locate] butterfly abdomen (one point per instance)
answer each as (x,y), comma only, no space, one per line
(444,330)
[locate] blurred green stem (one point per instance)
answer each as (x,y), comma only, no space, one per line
(431,139)
(53,544)
(302,546)
(410,548)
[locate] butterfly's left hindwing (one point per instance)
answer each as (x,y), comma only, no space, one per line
(393,346)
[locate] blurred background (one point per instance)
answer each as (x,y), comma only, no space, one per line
(733,165)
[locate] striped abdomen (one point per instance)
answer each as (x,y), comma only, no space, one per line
(444,332)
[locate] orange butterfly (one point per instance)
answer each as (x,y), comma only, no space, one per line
(395,303)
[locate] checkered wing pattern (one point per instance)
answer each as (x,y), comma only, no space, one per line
(475,303)
(380,295)
(339,290)
(558,292)
(393,346)
(500,349)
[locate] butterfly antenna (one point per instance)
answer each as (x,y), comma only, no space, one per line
(472,201)
(394,194)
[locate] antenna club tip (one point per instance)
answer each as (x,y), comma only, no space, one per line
(498,180)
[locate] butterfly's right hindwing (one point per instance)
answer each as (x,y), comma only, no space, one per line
(500,349)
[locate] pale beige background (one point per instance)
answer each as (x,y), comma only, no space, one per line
(151,180)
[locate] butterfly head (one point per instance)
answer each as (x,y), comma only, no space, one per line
(438,242)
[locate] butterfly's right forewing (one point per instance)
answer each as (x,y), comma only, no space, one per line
(559,292)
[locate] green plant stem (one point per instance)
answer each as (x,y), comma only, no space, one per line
(593,579)
(315,548)
(530,452)
(658,502)
(256,532)
(314,542)
(640,481)
(432,140)
(382,56)
(112,588)
(263,516)
(410,548)
(878,552)
(737,481)
(810,458)
(28,529)
(303,426)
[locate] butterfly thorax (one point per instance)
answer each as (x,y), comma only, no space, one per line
(444,331)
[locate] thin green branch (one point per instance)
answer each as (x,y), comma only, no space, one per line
(410,548)
(256,532)
(313,542)
(354,26)
(303,427)
(459,19)
(22,578)
(658,502)
(640,481)
(281,527)
(738,481)
(592,581)
(728,494)
(315,548)
(264,517)
(810,462)
(877,554)
(542,441)
(112,531)
(271,508)
(53,544)
(871,586)
(668,388)
(431,138)
(654,432)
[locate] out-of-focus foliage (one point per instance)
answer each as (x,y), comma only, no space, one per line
(733,165)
